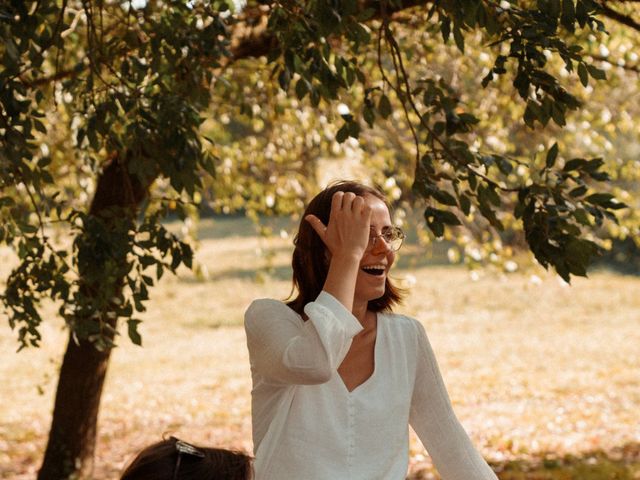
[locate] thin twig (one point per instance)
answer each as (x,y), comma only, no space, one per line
(398,93)
(393,44)
(60,39)
(41,222)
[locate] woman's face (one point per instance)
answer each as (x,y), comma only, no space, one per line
(370,282)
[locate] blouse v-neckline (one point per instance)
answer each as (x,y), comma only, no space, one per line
(370,378)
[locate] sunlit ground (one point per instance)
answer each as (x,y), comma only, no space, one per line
(545,377)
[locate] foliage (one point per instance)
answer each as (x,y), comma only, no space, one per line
(87,84)
(510,152)
(130,92)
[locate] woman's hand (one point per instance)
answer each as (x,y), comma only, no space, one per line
(347,234)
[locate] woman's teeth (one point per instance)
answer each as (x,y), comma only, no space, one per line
(374,269)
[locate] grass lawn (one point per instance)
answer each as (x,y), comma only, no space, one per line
(544,376)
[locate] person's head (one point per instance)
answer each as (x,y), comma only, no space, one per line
(311,258)
(173,459)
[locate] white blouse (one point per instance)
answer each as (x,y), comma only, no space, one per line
(308,426)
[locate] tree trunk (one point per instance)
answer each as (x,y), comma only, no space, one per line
(72,437)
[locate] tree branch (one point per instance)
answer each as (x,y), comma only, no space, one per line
(619,17)
(251,39)
(629,68)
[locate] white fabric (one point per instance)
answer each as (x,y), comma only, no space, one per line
(308,426)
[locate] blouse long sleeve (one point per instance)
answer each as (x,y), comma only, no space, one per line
(433,419)
(285,349)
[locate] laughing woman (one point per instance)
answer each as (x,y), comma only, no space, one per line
(337,377)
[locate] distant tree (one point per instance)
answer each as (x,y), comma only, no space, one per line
(102,110)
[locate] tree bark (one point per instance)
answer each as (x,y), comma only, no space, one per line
(72,438)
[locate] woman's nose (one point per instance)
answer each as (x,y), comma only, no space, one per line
(380,245)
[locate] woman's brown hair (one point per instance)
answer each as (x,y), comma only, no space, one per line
(161,461)
(309,262)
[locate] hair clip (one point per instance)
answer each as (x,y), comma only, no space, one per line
(188,449)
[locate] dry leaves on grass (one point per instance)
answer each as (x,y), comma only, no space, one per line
(536,370)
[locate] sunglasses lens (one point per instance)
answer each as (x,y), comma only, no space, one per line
(396,236)
(393,238)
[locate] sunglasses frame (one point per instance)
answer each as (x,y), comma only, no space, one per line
(400,236)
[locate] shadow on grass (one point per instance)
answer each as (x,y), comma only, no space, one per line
(281,272)
(621,463)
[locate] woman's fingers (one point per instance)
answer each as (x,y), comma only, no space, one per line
(346,202)
(317,225)
(347,230)
(358,205)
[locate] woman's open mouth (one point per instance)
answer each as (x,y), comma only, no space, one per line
(376,270)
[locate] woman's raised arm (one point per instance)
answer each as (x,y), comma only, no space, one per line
(286,350)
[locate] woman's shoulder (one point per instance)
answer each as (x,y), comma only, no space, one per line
(402,323)
(265,303)
(263,309)
(406,331)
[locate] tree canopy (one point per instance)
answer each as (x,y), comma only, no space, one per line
(114,115)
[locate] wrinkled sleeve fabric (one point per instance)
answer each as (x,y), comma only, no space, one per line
(284,349)
(433,419)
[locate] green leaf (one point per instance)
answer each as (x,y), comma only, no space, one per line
(488,195)
(596,73)
(445,198)
(574,164)
(578,191)
(134,335)
(284,78)
(568,16)
(529,116)
(368,114)
(504,165)
(159,270)
(176,258)
(46,177)
(366,14)
(465,204)
(583,74)
(581,215)
(599,198)
(301,88)
(187,255)
(458,38)
(552,155)
(445,29)
(557,113)
(449,218)
(342,134)
(27,228)
(384,106)
(441,216)
(473,181)
(39,126)
(605,200)
(7,202)
(354,129)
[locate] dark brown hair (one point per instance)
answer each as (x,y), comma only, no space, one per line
(158,462)
(309,263)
